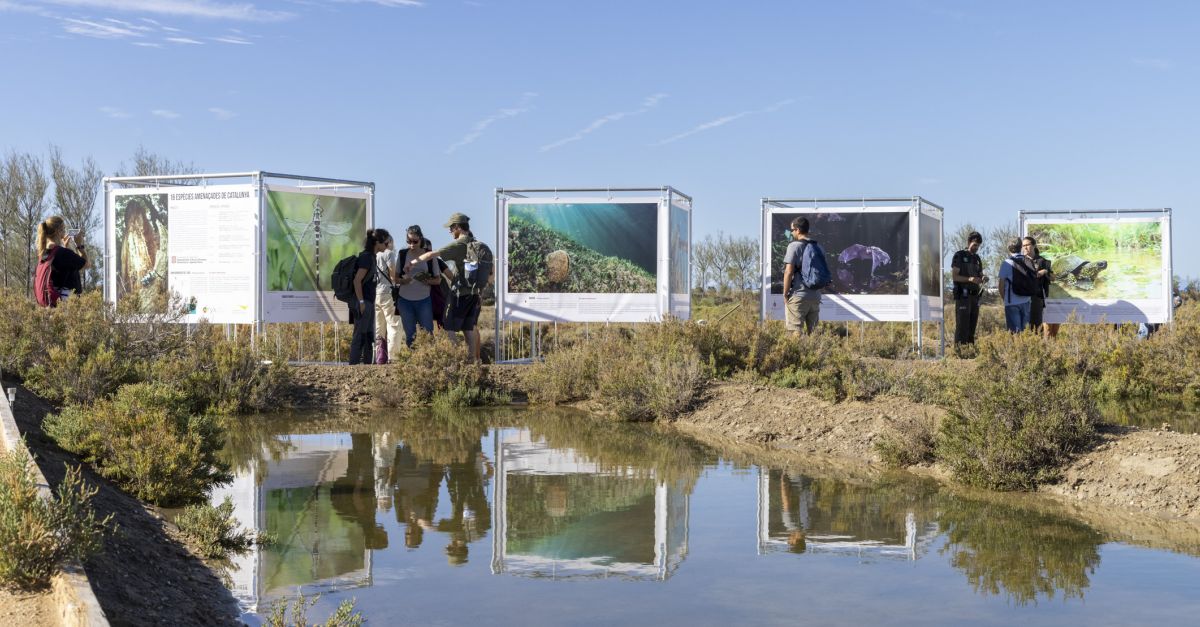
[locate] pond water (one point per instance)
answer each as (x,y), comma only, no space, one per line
(545,518)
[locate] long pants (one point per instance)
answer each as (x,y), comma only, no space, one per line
(966,318)
(1016,317)
(387,320)
(802,314)
(364,334)
(1036,307)
(414,312)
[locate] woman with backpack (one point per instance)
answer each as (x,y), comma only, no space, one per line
(387,321)
(362,307)
(415,285)
(61,257)
(439,291)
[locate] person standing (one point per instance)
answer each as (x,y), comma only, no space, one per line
(387,322)
(464,304)
(415,303)
(803,308)
(64,256)
(966,271)
(362,310)
(1016,305)
(1037,303)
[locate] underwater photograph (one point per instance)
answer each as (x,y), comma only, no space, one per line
(1102,260)
(867,253)
(307,234)
(589,248)
(930,229)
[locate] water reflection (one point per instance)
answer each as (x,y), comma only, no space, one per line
(561,515)
(365,507)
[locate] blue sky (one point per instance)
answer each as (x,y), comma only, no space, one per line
(983,107)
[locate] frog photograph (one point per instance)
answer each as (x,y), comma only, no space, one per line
(1102,260)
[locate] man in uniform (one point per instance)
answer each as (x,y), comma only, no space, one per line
(967,274)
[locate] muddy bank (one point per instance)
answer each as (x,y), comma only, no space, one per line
(145,575)
(1148,471)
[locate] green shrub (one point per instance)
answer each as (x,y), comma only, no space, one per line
(435,366)
(909,442)
(219,375)
(469,396)
(1015,424)
(343,616)
(214,530)
(83,354)
(565,375)
(145,439)
(37,534)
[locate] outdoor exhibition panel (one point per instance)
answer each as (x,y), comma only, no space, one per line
(593,258)
(197,242)
(884,256)
(234,253)
(306,233)
(1107,266)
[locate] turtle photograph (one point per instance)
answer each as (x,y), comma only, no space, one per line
(583,248)
(867,252)
(1102,260)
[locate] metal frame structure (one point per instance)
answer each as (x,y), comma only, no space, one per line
(915,205)
(259,180)
(1106,214)
(502,351)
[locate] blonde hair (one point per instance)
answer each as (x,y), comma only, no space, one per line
(50,230)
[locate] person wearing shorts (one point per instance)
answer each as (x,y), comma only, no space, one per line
(463,304)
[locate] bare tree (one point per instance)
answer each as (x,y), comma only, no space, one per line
(31,209)
(10,184)
(146,163)
(995,246)
(703,262)
(75,192)
(740,256)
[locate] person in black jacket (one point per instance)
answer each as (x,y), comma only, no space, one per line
(966,270)
(1044,276)
(66,254)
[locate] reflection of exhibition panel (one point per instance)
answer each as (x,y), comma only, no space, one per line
(885,261)
(322,542)
(594,259)
(306,233)
(561,516)
(195,241)
(1108,266)
(239,254)
(804,515)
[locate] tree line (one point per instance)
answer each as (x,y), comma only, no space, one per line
(36,186)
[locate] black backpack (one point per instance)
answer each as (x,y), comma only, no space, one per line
(1024,278)
(342,279)
(477,267)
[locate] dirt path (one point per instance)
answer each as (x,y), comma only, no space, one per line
(145,576)
(1147,471)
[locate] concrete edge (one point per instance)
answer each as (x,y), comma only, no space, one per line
(70,589)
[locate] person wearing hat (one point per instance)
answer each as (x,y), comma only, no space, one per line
(463,306)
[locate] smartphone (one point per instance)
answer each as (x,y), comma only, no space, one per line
(71,233)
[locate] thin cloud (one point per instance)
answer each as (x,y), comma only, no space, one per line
(233,40)
(146,44)
(482,125)
(185,41)
(98,30)
(1161,65)
(114,113)
(245,12)
(221,114)
(385,3)
(647,104)
(165,114)
(722,121)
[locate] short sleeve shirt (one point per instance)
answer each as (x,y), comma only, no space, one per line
(366,261)
(968,264)
(456,252)
(416,291)
(793,256)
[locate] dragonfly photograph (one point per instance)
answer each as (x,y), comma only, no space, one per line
(306,236)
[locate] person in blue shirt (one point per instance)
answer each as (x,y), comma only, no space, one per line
(1016,306)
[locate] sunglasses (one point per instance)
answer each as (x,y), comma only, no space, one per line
(412,242)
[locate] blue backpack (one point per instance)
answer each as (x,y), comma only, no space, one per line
(814,272)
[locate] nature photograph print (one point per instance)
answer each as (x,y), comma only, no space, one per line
(679,251)
(141,259)
(307,234)
(930,229)
(867,252)
(1108,260)
(585,248)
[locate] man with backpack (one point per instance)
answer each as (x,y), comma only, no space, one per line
(1018,284)
(472,269)
(805,274)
